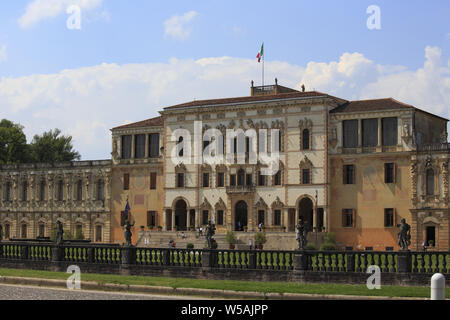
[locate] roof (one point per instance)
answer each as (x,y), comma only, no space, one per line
(152,122)
(226,101)
(377,105)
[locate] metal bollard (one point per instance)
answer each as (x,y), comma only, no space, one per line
(438,287)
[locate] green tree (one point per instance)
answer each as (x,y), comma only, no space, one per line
(13,143)
(52,147)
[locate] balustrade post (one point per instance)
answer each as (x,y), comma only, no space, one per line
(165,257)
(209,259)
(57,253)
(350,259)
(128,259)
(91,254)
(404,261)
(300,260)
(24,252)
(252,260)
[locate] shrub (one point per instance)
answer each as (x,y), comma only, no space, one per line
(330,237)
(260,238)
(310,246)
(328,246)
(231,237)
(190,246)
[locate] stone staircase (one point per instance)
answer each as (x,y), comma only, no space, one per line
(275,240)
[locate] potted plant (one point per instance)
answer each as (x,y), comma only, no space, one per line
(231,239)
(159,228)
(430,243)
(142,228)
(260,240)
(151,227)
(245,228)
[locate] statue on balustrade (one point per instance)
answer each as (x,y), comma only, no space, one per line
(128,233)
(1,233)
(210,231)
(59,234)
(404,236)
(301,234)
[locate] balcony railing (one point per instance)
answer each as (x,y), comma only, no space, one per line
(241,189)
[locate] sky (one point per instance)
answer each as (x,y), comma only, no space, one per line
(86,66)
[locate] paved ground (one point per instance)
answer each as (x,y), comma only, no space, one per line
(15,292)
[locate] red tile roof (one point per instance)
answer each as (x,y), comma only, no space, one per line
(152,122)
(376,105)
(225,101)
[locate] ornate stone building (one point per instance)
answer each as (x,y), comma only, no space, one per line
(35,196)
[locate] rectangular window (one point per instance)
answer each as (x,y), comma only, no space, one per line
(126,147)
(42,191)
(348,218)
(220,217)
(24,231)
(7,231)
(98,234)
(277,178)
(232,180)
(350,129)
(370,132)
(60,191)
(152,180)
(249,179)
(8,191)
(277,218)
(389,217)
(349,174)
(41,230)
(220,179)
(205,180)
(205,214)
(151,218)
(126,181)
(261,179)
(80,190)
(390,131)
(306,176)
(261,216)
(389,172)
(180,180)
(139,146)
(100,188)
(153,149)
(25,191)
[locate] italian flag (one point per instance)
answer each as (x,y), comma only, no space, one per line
(261,53)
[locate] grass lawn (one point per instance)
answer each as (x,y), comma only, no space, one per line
(275,287)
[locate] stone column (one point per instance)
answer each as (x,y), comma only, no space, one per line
(285,218)
(173,220)
(132,146)
(197,220)
(147,151)
(380,136)
(166,212)
(188,222)
(359,133)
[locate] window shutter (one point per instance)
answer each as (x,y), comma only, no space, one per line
(394,218)
(385,172)
(354,218)
(344,174)
(122,218)
(343,217)
(395,172)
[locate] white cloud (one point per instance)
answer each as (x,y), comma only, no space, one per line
(177,26)
(86,102)
(3,54)
(39,10)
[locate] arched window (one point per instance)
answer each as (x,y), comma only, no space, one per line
(98,233)
(305,139)
(24,231)
(430,182)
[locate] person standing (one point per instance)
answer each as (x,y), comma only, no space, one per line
(250,243)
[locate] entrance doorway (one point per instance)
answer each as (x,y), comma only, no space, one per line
(305,211)
(431,236)
(291,220)
(240,215)
(181,215)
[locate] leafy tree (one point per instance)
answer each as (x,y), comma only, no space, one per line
(53,147)
(13,143)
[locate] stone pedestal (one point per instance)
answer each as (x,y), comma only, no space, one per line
(252,260)
(300,261)
(404,261)
(209,259)
(128,255)
(57,254)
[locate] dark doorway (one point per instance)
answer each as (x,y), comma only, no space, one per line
(291,220)
(305,211)
(431,236)
(181,215)
(240,215)
(192,222)
(261,214)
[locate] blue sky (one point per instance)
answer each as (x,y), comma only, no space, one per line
(305,41)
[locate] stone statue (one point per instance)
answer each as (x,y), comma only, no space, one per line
(404,236)
(406,132)
(128,233)
(301,235)
(210,231)
(303,88)
(60,232)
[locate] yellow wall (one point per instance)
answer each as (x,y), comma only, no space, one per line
(369,196)
(141,198)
